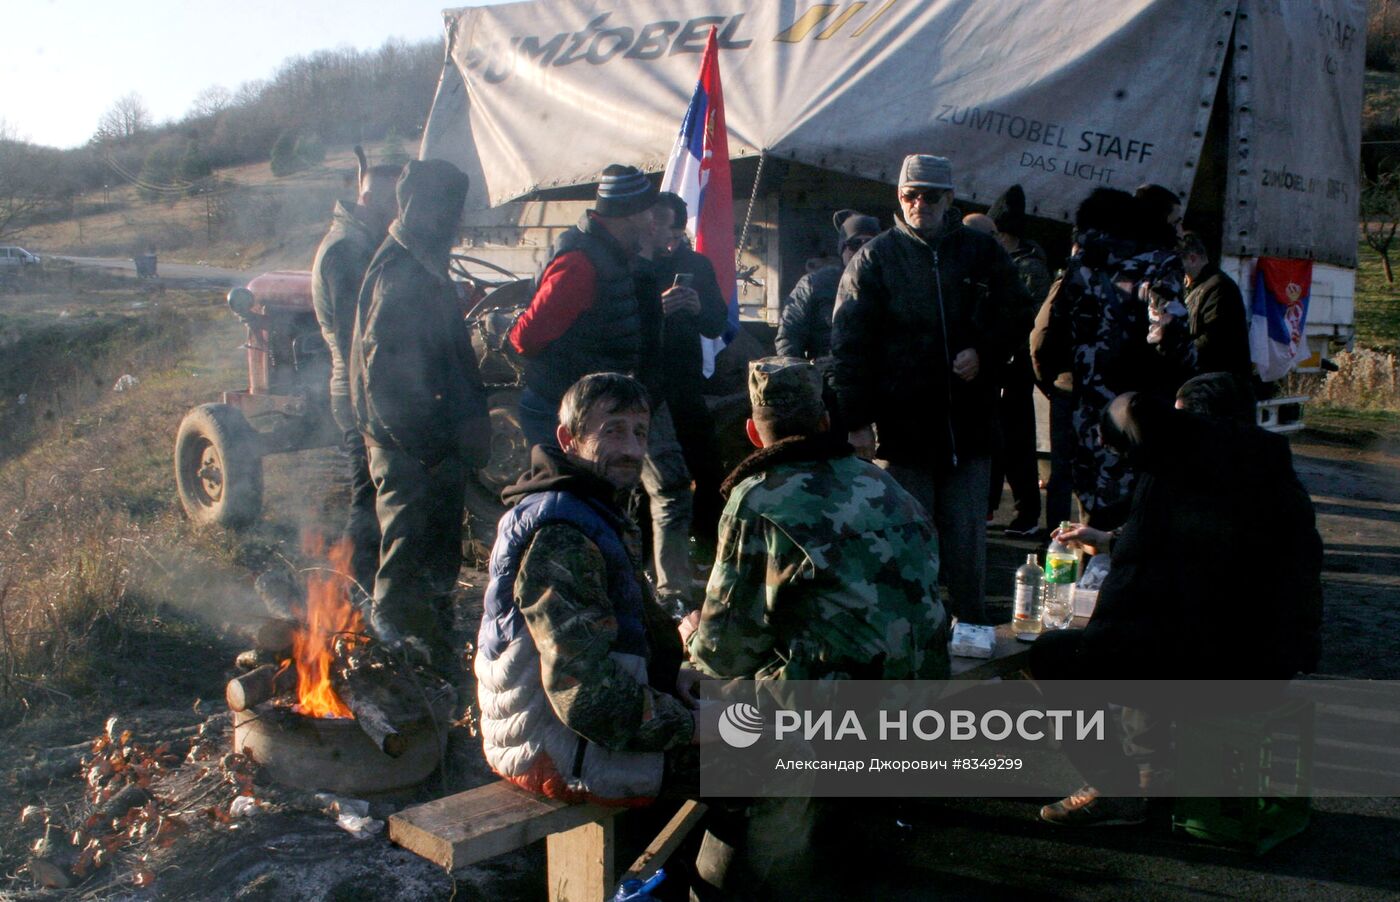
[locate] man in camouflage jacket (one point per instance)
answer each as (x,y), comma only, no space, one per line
(577,666)
(827,568)
(1117,323)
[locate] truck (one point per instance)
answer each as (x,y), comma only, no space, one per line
(1249,110)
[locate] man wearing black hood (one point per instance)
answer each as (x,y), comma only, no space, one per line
(1220,546)
(419,402)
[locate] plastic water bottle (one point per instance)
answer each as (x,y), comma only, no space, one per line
(1025,617)
(634,890)
(1060,574)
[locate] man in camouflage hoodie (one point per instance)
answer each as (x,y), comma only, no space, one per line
(1117,323)
(827,568)
(578,669)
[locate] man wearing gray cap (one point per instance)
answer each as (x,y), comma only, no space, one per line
(922,321)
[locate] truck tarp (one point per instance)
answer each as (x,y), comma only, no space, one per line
(1058,95)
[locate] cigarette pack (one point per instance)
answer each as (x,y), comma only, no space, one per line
(971,641)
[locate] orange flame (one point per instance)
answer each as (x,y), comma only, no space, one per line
(328,614)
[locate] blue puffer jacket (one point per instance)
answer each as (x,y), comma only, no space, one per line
(524,740)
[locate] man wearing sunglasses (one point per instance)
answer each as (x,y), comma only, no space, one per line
(923,316)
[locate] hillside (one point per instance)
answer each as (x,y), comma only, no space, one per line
(258,222)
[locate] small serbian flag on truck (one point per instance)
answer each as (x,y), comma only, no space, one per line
(1279,315)
(698,171)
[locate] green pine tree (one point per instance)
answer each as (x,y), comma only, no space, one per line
(284,155)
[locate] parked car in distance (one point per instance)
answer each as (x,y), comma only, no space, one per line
(16,257)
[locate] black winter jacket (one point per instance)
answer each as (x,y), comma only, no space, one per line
(804,330)
(905,309)
(1217,572)
(608,336)
(1218,325)
(414,381)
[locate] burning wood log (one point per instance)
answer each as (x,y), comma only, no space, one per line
(373,720)
(257,686)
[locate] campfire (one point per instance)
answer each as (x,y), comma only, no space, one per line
(331,710)
(330,618)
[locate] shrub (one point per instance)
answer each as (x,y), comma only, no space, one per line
(284,155)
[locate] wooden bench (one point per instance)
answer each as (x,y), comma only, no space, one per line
(497,818)
(491,820)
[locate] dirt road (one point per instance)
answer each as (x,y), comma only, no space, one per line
(192,275)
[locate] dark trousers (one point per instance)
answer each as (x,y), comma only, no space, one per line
(1015,462)
(1141,737)
(420,549)
(1059,490)
(362,523)
(695,429)
(955,499)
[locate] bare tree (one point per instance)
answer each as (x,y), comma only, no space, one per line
(126,119)
(212,101)
(1380,216)
(20,197)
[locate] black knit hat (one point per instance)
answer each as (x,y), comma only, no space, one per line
(623,190)
(850,223)
(1009,211)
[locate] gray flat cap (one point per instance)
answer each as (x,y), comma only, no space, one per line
(920,170)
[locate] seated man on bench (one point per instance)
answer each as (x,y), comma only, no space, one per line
(576,664)
(1215,575)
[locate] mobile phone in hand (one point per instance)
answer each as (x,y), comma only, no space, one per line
(683,280)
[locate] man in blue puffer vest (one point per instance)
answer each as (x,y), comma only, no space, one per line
(577,666)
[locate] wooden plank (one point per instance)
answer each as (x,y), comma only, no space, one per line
(481,823)
(659,851)
(581,863)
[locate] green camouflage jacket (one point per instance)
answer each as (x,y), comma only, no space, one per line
(826,569)
(562,590)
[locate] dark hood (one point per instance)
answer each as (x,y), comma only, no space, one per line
(430,194)
(552,471)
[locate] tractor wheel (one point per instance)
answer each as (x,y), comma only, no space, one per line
(218,467)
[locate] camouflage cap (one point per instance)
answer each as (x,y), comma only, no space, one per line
(790,384)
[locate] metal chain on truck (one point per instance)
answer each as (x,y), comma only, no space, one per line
(748,215)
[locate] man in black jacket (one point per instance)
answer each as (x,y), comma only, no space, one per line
(336,274)
(1220,544)
(804,330)
(921,324)
(420,404)
(1218,326)
(686,317)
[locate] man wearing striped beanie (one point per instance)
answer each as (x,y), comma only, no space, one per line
(585,317)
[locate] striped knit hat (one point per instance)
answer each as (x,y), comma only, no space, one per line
(623,190)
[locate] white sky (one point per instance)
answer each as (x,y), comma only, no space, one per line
(64,62)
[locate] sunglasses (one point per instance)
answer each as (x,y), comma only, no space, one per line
(856,243)
(930,196)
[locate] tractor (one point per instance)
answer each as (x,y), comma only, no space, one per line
(285,408)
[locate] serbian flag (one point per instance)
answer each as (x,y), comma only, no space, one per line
(1279,315)
(698,171)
